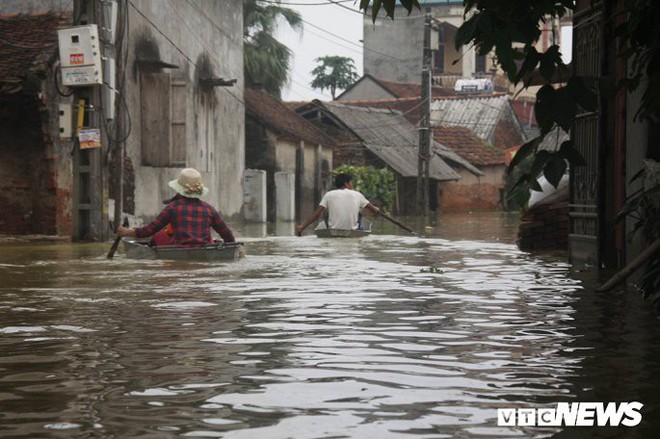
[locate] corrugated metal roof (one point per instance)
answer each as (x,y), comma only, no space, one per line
(380,129)
(404,161)
(478,114)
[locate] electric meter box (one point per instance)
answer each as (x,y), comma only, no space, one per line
(80,56)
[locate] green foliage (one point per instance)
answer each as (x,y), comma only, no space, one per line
(377,185)
(388,5)
(334,72)
(431,269)
(267,61)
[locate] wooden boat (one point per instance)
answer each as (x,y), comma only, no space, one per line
(323,232)
(137,249)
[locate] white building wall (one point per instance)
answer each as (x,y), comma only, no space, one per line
(205,42)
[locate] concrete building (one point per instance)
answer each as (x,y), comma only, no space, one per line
(393,49)
(184,107)
(277,139)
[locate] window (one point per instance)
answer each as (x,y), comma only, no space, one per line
(163,120)
(480,64)
(439,53)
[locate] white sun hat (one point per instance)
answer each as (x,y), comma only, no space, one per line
(189,184)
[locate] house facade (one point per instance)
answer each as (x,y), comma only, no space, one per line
(35,163)
(171,97)
(184,99)
(473,192)
(277,139)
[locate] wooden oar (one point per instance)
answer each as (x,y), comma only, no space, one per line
(113,249)
(115,244)
(392,220)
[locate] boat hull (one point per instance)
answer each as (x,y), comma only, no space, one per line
(323,232)
(136,249)
(340,233)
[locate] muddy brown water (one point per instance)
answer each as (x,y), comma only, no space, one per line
(388,336)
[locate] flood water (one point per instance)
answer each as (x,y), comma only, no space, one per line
(388,336)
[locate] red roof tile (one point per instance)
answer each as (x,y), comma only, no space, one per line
(414,90)
(468,145)
(279,117)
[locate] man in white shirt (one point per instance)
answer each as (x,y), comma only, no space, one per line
(343,205)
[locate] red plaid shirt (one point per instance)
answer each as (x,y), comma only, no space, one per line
(191,219)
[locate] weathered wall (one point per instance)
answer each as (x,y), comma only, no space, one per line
(394,48)
(308,188)
(472,192)
(34,6)
(366,90)
(35,166)
(206,42)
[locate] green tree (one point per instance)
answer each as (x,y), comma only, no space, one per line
(334,72)
(377,185)
(267,61)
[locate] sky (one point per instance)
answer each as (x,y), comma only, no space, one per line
(328,29)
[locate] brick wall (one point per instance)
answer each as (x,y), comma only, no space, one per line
(544,227)
(456,197)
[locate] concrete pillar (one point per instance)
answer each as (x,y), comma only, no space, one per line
(285,196)
(254,195)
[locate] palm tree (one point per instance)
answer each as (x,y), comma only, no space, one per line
(334,72)
(267,61)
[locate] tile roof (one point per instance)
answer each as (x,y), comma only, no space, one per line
(279,117)
(409,107)
(394,140)
(468,145)
(400,90)
(504,134)
(28,46)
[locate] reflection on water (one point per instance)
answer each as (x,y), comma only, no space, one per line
(389,336)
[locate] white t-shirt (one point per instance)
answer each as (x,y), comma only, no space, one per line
(343,207)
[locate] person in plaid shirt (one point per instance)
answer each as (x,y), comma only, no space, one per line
(190,218)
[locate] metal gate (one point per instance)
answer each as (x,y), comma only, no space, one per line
(584,223)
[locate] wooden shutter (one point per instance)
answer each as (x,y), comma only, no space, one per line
(178,147)
(155,118)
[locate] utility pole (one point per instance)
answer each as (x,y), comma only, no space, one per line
(89,196)
(424,155)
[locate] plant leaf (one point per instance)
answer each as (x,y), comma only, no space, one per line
(554,169)
(567,150)
(523,152)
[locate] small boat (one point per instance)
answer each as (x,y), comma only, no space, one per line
(323,232)
(137,249)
